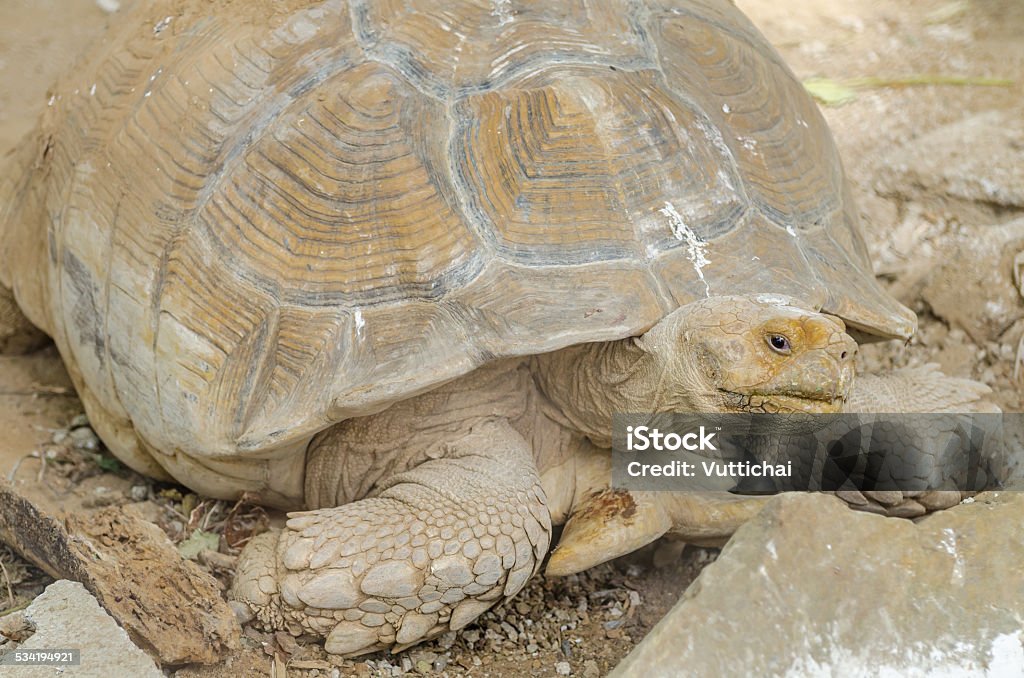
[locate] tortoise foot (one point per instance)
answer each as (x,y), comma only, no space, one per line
(441,544)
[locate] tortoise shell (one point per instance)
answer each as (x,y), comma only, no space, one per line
(263,218)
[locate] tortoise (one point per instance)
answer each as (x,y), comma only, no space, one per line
(395,266)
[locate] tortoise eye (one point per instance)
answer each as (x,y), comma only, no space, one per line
(779,343)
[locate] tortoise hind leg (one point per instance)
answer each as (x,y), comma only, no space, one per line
(22,245)
(440,544)
(17,334)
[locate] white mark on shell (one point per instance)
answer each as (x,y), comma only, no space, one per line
(726,109)
(360,322)
(696,249)
(725,181)
(92,90)
(161,25)
(781,301)
(500,10)
(773,299)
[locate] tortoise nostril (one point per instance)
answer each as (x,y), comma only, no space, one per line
(842,356)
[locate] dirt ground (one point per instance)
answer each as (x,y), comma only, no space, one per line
(584,625)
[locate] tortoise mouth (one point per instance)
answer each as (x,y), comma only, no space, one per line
(775,403)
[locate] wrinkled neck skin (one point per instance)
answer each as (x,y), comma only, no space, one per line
(590,382)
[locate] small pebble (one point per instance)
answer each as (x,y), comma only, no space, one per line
(512,634)
(563,668)
(85,439)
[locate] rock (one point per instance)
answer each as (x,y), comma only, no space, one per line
(79,421)
(66,616)
(809,587)
(14,626)
(974,279)
(85,438)
(976,159)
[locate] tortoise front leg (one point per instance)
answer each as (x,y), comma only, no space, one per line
(17,334)
(915,390)
(440,544)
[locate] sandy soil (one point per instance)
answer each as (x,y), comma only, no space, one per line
(582,624)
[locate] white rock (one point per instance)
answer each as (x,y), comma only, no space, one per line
(66,616)
(852,594)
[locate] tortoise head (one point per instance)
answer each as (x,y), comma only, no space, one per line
(760,353)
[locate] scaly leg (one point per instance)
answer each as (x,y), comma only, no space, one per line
(440,544)
(918,389)
(906,391)
(605,523)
